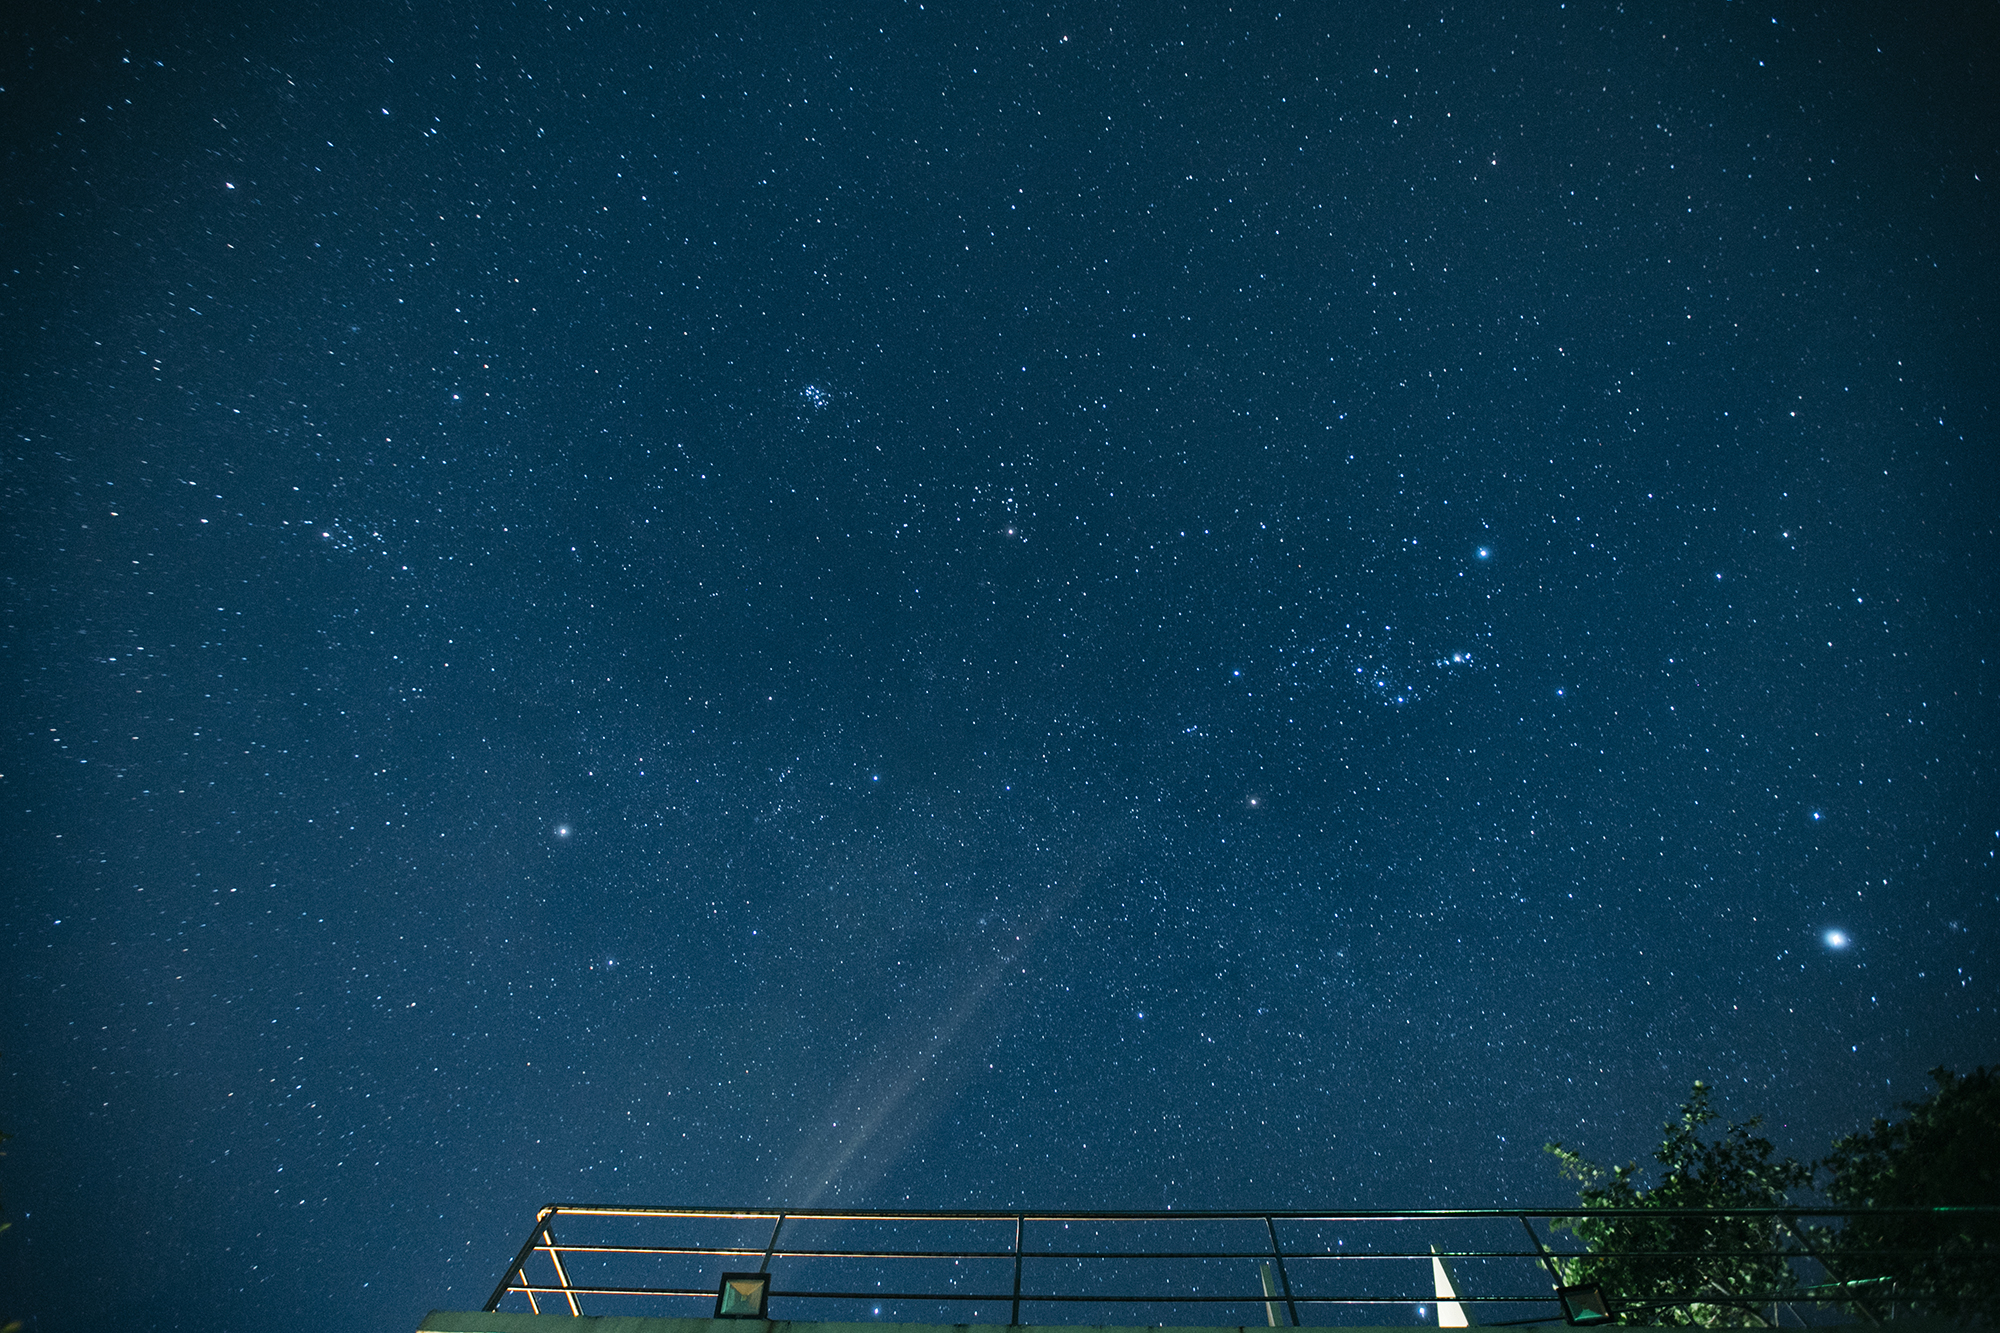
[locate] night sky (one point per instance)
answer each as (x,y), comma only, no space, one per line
(968,606)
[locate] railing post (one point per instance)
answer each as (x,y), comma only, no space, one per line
(1792,1224)
(1548,1262)
(514,1269)
(1019,1221)
(771,1249)
(562,1274)
(1284,1279)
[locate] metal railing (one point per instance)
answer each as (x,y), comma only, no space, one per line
(1291,1268)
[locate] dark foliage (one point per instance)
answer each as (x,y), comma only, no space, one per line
(1944,1155)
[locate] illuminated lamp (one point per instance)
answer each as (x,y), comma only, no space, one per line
(743,1296)
(1584,1304)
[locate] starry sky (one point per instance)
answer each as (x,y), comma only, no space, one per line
(968,605)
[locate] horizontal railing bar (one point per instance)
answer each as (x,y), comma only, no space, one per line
(1791,1298)
(1365,1215)
(568,1247)
(1257,1299)
(1619,1254)
(1698,1298)
(902,1295)
(1027,1254)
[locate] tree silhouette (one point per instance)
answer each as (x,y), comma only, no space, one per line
(1945,1155)
(1706,1269)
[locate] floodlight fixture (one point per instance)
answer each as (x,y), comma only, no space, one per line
(1584,1304)
(743,1296)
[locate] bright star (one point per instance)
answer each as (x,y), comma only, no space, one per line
(1835,939)
(1484,553)
(562,830)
